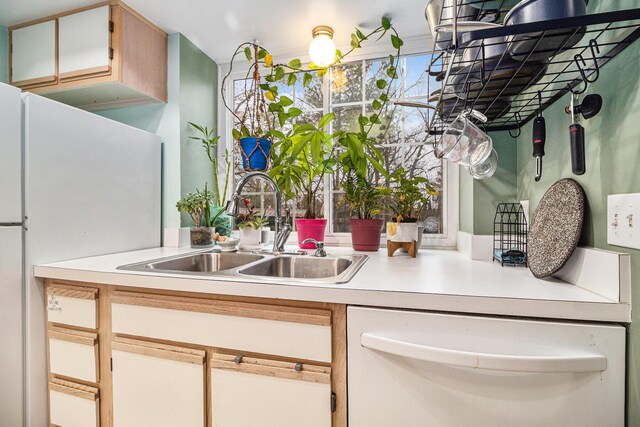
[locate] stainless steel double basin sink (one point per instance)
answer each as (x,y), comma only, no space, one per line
(252,267)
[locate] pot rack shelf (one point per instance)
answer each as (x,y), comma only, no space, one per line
(511,100)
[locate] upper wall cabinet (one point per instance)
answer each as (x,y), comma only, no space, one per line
(97,57)
(33,54)
(84,42)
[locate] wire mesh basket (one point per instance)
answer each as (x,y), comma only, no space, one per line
(510,233)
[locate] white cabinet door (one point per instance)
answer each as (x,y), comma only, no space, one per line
(73,404)
(84,41)
(269,393)
(33,54)
(418,369)
(157,385)
(10,154)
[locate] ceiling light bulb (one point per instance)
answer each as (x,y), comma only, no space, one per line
(322,50)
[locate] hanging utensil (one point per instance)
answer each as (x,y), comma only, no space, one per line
(539,137)
(591,105)
(414,104)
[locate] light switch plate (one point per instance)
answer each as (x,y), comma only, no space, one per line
(623,220)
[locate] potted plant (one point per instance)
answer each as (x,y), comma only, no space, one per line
(253,133)
(220,220)
(198,206)
(405,199)
(250,225)
(300,161)
(364,201)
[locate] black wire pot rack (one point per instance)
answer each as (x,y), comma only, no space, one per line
(513,72)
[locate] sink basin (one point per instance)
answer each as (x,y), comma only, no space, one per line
(307,267)
(243,267)
(204,262)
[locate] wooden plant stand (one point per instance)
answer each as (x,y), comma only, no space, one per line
(394,246)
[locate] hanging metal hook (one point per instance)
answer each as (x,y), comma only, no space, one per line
(582,66)
(435,59)
(519,131)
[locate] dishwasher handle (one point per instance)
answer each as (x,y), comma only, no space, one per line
(496,362)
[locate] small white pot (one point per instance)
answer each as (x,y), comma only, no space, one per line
(265,235)
(402,232)
(249,238)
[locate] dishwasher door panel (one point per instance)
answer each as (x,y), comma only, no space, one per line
(417,369)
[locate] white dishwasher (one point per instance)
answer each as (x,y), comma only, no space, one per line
(409,368)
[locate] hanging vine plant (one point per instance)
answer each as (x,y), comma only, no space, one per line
(305,152)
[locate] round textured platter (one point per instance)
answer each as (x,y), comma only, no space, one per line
(556,227)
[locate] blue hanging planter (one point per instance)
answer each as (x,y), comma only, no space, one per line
(255,153)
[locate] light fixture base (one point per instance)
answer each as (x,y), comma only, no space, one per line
(322,30)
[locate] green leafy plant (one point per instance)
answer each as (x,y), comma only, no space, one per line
(304,154)
(210,144)
(250,218)
(362,197)
(198,206)
(405,197)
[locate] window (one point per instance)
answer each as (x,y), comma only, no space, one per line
(347,91)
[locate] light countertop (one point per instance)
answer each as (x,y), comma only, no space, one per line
(439,280)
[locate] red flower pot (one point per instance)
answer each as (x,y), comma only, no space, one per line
(365,234)
(313,228)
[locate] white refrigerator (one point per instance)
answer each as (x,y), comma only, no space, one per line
(72,185)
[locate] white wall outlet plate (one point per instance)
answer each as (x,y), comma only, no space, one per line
(623,220)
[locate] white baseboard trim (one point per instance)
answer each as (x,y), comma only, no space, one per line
(476,247)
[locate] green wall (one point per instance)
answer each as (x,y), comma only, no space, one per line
(198,101)
(192,96)
(479,198)
(612,153)
(4,54)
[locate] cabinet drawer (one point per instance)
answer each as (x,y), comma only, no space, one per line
(157,385)
(73,405)
(76,306)
(73,353)
(300,333)
(254,391)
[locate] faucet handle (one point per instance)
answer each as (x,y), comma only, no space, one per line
(320,252)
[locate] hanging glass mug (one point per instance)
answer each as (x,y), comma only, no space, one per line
(485,169)
(463,142)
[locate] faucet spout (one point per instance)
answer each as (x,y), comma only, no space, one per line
(233,209)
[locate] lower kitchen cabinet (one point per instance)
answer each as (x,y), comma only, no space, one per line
(73,404)
(157,385)
(249,391)
(154,358)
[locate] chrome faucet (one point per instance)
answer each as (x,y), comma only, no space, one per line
(283,228)
(320,252)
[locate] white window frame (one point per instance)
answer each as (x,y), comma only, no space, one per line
(450,172)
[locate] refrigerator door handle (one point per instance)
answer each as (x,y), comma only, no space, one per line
(495,362)
(11,224)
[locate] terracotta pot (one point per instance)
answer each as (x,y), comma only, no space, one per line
(314,228)
(365,234)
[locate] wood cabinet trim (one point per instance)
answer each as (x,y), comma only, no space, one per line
(272,368)
(86,73)
(34,82)
(163,351)
(62,290)
(73,335)
(58,15)
(311,316)
(74,389)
